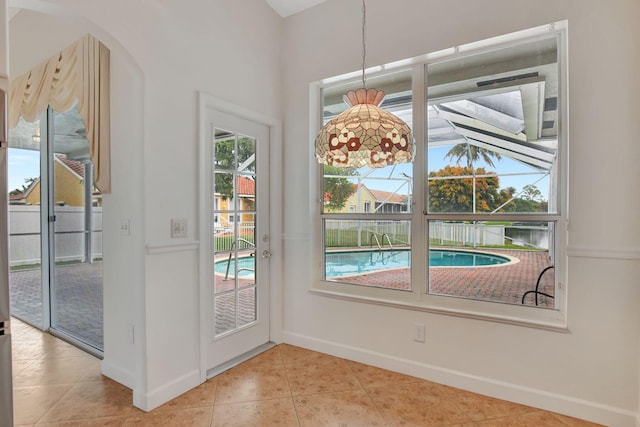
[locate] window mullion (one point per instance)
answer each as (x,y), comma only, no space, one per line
(419,261)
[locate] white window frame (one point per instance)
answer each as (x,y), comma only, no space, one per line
(418,298)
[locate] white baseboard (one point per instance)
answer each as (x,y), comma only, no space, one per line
(163,394)
(567,405)
(119,375)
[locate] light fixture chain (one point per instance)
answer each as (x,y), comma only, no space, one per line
(364,137)
(364,45)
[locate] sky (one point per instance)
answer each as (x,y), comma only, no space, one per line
(22,164)
(438,161)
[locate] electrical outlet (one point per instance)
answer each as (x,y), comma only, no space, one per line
(418,332)
(125,227)
(178,228)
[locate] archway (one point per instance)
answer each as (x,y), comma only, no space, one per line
(36,33)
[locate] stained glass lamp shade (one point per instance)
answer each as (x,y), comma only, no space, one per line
(364,135)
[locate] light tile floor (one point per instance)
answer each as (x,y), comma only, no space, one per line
(56,384)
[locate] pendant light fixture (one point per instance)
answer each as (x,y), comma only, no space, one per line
(365,134)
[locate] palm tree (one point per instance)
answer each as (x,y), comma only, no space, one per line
(472,153)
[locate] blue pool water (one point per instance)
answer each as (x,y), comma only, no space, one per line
(246,267)
(347,263)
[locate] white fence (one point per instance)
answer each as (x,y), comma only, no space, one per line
(224,236)
(24,234)
(464,234)
(353,233)
(371,233)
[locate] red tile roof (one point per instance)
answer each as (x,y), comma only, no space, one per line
(246,186)
(379,195)
(17,196)
(385,196)
(76,166)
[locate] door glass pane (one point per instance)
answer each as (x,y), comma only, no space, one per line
(77,292)
(234,240)
(246,155)
(25,278)
(246,306)
(246,188)
(225,309)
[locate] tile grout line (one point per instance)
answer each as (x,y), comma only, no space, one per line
(456,403)
(55,403)
(286,373)
(366,392)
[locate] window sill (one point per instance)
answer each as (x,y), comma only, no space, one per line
(526,316)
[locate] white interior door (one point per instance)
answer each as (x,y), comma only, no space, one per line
(237,238)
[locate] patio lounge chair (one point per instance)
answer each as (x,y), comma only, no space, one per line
(536,291)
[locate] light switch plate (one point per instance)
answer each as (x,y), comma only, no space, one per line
(178,228)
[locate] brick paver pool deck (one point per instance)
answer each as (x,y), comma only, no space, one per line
(499,283)
(79,296)
(78,299)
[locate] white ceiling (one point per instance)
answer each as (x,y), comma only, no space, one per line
(284,8)
(290,7)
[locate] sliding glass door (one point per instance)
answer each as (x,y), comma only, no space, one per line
(25,223)
(76,291)
(68,299)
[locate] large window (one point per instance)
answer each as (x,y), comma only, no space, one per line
(476,224)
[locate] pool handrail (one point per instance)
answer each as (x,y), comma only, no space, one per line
(233,245)
(375,235)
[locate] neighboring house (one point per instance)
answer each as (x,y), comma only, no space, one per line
(387,202)
(69,186)
(17,198)
(365,200)
(246,191)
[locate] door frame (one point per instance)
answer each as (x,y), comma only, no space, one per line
(207,103)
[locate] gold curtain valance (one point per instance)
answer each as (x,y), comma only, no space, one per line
(79,72)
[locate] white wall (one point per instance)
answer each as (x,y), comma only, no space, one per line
(162,54)
(591,371)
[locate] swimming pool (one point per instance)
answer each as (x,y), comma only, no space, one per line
(246,267)
(348,263)
(358,262)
